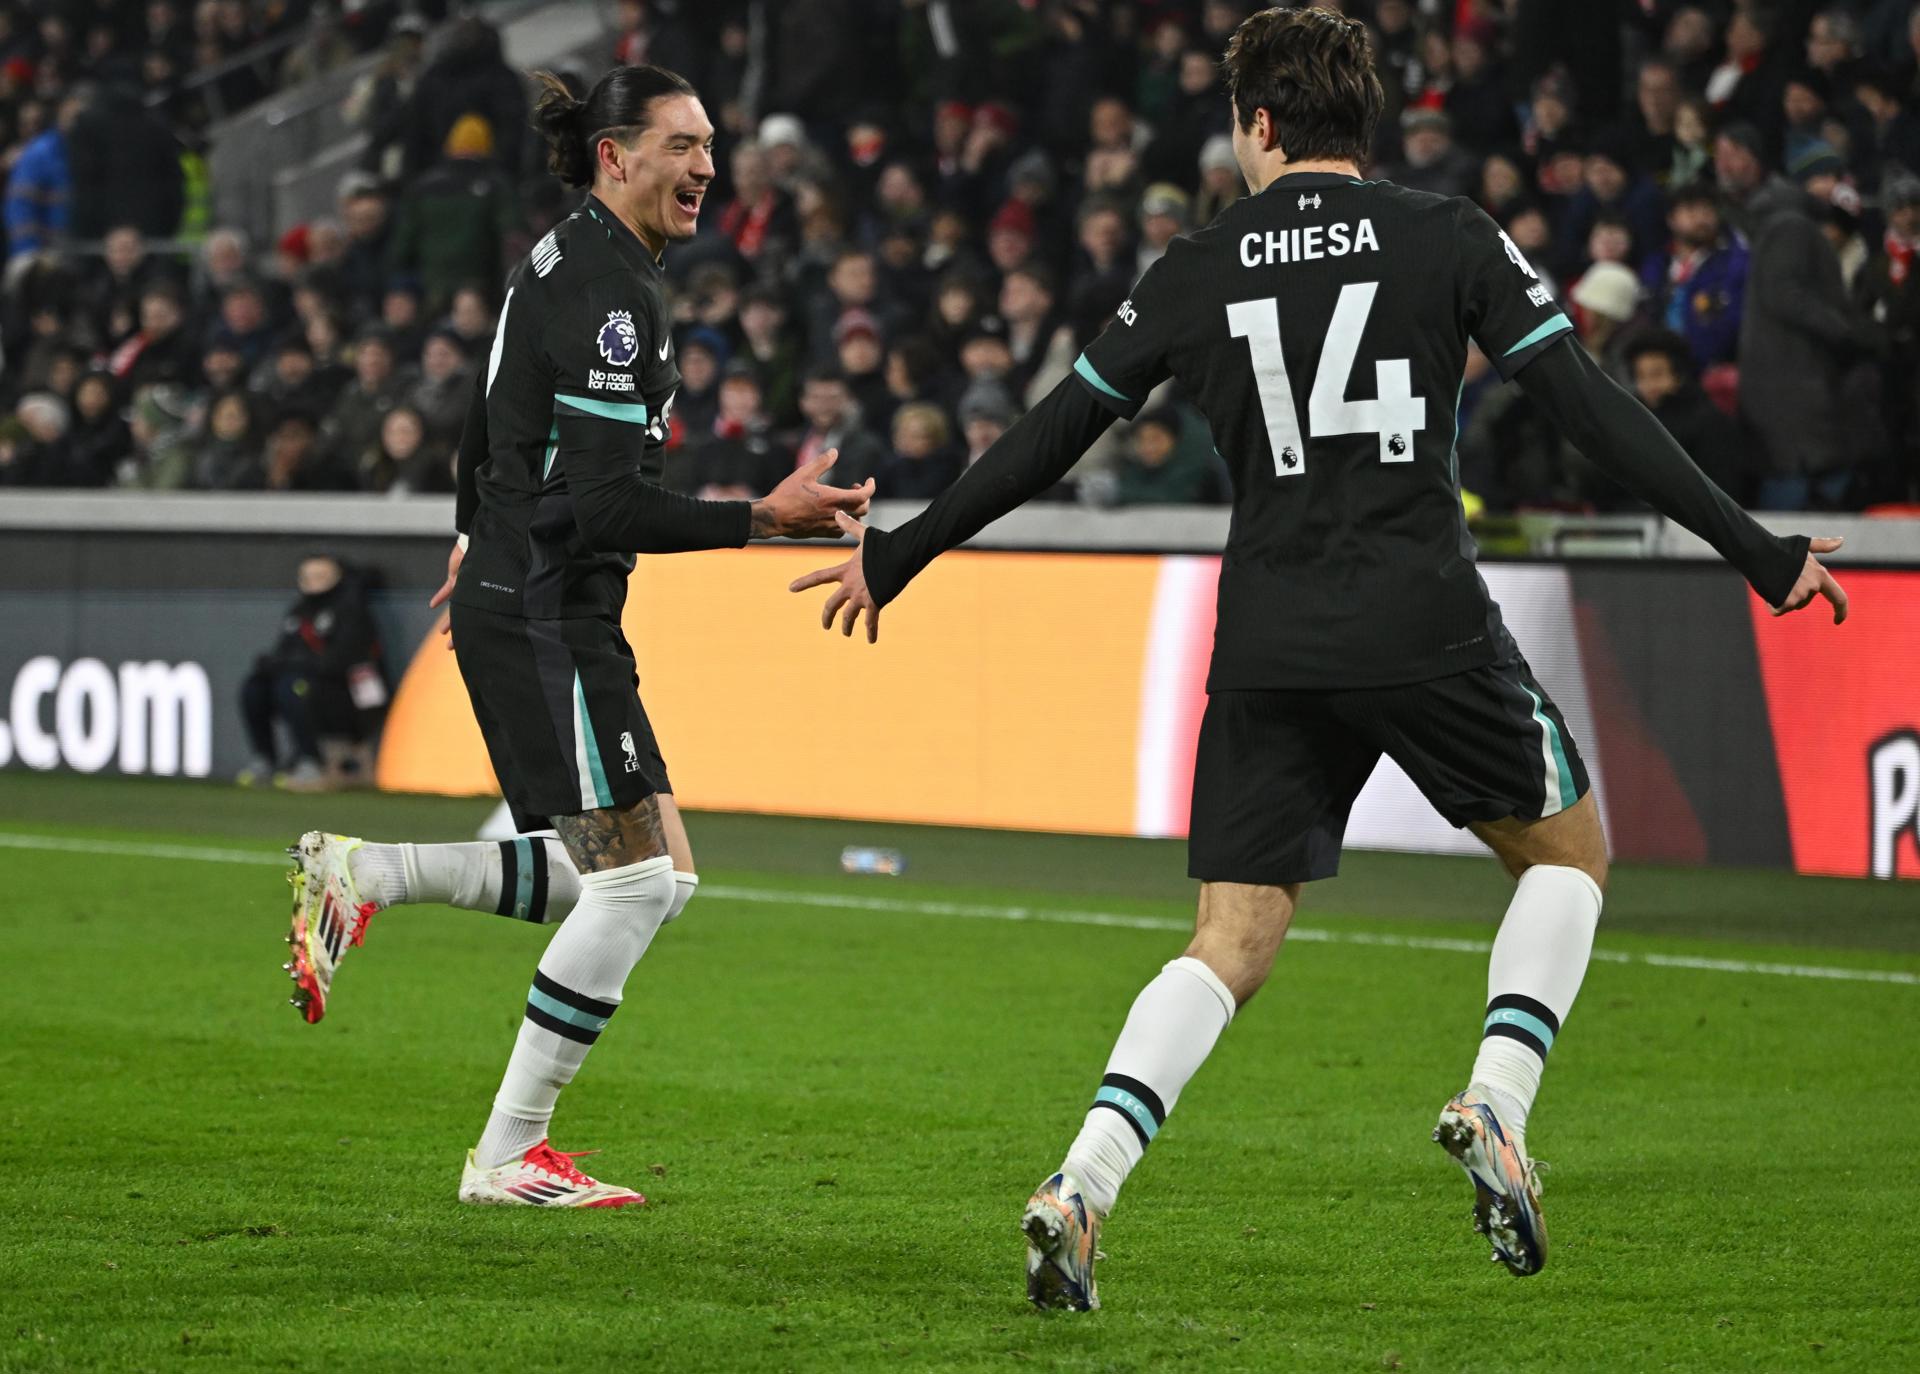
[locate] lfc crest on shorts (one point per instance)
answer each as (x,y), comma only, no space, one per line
(619,340)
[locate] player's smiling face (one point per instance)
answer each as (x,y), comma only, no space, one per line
(666,171)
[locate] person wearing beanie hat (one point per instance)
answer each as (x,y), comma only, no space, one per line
(1163,213)
(1889,291)
(453,223)
(1220,183)
(1749,191)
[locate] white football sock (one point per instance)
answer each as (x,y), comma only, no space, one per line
(1539,959)
(529,878)
(684,886)
(1169,1032)
(575,992)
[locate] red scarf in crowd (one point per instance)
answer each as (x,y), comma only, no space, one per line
(1899,258)
(746,225)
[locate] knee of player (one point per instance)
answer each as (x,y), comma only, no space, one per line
(1243,968)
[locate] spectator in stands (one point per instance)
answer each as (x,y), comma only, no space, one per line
(1692,143)
(445,388)
(771,348)
(293,460)
(1429,160)
(986,412)
(408,457)
(112,298)
(100,439)
(163,446)
(1163,213)
(1696,286)
(1891,133)
(1798,336)
(1478,102)
(1608,298)
(1041,342)
(34,451)
(1749,192)
(230,459)
(923,463)
(1104,270)
(303,685)
(456,218)
(1220,183)
(472,319)
(366,215)
(1610,187)
(351,431)
(469,76)
(1888,291)
(1662,366)
(291,384)
(1157,470)
(745,459)
(1651,140)
(125,165)
(160,351)
(760,215)
(834,422)
(244,325)
(856,341)
(701,355)
(40,188)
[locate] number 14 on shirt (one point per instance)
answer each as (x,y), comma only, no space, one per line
(1394,414)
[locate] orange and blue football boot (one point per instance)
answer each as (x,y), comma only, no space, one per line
(1506,1185)
(1063,1235)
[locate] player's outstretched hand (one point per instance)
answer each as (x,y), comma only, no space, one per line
(1814,581)
(850,597)
(446,590)
(802,508)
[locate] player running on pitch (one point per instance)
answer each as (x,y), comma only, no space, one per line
(559,469)
(1320,325)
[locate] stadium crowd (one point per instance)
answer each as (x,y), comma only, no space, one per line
(925,208)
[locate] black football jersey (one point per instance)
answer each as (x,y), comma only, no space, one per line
(580,380)
(1321,326)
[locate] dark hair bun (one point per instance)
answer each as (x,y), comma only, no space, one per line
(558,117)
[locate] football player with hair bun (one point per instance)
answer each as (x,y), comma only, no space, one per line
(559,489)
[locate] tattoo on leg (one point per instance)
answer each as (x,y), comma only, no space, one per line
(600,840)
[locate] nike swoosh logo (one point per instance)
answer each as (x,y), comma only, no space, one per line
(663,349)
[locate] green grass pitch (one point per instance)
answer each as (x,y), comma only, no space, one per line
(838,1093)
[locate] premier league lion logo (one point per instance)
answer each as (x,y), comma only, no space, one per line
(619,341)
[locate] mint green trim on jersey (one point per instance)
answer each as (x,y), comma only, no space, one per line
(1554,756)
(553,447)
(1096,381)
(594,792)
(1546,330)
(632,412)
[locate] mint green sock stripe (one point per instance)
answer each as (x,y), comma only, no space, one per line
(1095,380)
(1552,326)
(631,412)
(523,884)
(573,1016)
(602,793)
(1131,1105)
(1526,1021)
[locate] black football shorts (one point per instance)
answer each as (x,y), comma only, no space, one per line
(1277,772)
(558,702)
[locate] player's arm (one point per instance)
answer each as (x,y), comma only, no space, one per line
(597,440)
(1621,437)
(1110,381)
(1036,452)
(1528,338)
(468,458)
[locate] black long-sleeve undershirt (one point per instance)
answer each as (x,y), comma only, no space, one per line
(1030,457)
(1623,439)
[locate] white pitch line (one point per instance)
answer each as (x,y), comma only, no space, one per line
(1044,915)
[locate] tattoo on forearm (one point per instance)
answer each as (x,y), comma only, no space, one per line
(599,840)
(761,524)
